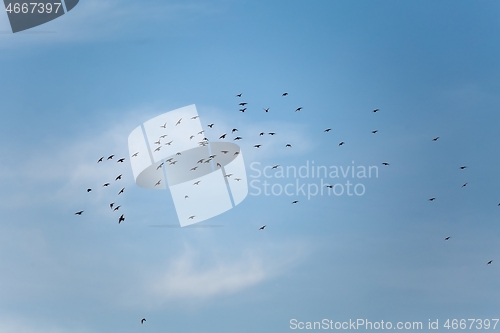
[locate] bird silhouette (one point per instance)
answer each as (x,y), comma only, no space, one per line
(341,143)
(275,166)
(100,160)
(121,191)
(106,185)
(178,122)
(159,166)
(165,135)
(121,219)
(135,155)
(243,104)
(236,153)
(158,182)
(238,138)
(294,202)
(195,117)
(143,320)
(239,95)
(120,160)
(197,183)
(432,199)
(157,142)
(79,213)
(110,157)
(116,208)
(284,94)
(271,133)
(463,167)
(169,143)
(298,109)
(243,110)
(234,130)
(237,179)
(118,177)
(375,131)
(261,133)
(267,110)
(111,205)
(288,145)
(257,146)
(465,184)
(376,110)
(223,136)
(158,149)
(88,190)
(263,227)
(436,138)
(193,169)
(447,238)
(489,262)
(219,165)
(210,125)
(327,130)
(385,163)
(191,217)
(224,151)
(164,125)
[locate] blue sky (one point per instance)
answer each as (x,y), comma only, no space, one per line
(74,88)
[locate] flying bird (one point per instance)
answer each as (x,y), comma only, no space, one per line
(121,219)
(234,130)
(288,145)
(168,143)
(210,125)
(341,143)
(158,149)
(120,160)
(447,238)
(436,138)
(224,151)
(195,117)
(375,131)
(219,165)
(177,154)
(223,136)
(275,166)
(243,104)
(257,146)
(489,262)
(243,110)
(298,109)
(191,217)
(294,202)
(194,169)
(163,136)
(212,156)
(239,95)
(201,161)
(158,182)
(159,166)
(111,205)
(110,157)
(197,183)
(327,130)
(164,125)
(135,155)
(105,185)
(329,186)
(238,138)
(236,153)
(201,132)
(229,175)
(191,137)
(267,110)
(178,122)
(463,167)
(88,190)
(465,184)
(263,227)
(432,199)
(385,163)
(271,133)
(157,142)
(261,133)
(375,110)
(237,179)
(121,191)
(100,160)
(118,177)
(79,213)
(143,320)
(284,94)
(116,208)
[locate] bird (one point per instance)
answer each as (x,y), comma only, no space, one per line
(271,133)
(195,117)
(197,183)
(219,165)
(159,166)
(135,155)
(327,130)
(100,160)
(239,95)
(223,136)
(385,163)
(257,146)
(341,143)
(224,151)
(121,219)
(172,163)
(88,190)
(375,131)
(79,213)
(165,135)
(158,182)
(107,184)
(465,184)
(432,199)
(158,149)
(116,208)
(178,122)
(169,143)
(261,133)
(263,227)
(298,109)
(185,197)
(143,320)
(118,177)
(121,191)
(157,142)
(447,238)
(111,205)
(238,138)
(191,217)
(243,110)
(243,104)
(164,125)
(237,179)
(489,262)
(201,161)
(329,186)
(436,138)
(210,125)
(275,166)
(294,202)
(288,145)
(234,130)
(267,110)
(212,156)
(375,110)
(110,157)
(463,167)
(194,169)
(178,153)
(236,153)
(229,175)
(284,94)
(120,160)
(201,132)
